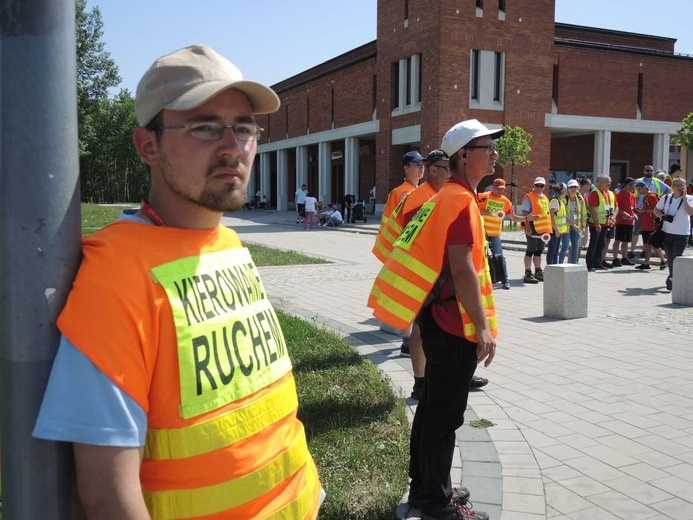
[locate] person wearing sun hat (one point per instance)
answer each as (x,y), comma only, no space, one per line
(160,390)
(536,212)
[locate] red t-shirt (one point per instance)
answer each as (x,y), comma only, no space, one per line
(625,201)
(446,313)
(647,219)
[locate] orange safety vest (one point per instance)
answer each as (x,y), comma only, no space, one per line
(389,228)
(180,321)
(493,224)
(414,201)
(415,264)
(540,206)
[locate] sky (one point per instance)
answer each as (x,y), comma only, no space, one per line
(272,40)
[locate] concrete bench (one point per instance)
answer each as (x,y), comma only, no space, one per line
(565,291)
(682,291)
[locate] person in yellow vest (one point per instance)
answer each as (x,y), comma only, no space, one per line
(601,203)
(172,378)
(535,210)
(577,221)
(390,222)
(560,237)
(495,206)
(438,273)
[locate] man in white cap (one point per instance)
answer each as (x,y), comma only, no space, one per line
(176,389)
(437,271)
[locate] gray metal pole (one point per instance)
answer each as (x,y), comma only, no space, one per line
(39,241)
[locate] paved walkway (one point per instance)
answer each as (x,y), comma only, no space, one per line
(593,417)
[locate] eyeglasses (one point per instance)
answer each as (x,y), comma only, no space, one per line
(447,169)
(215,131)
(490,148)
(539,185)
(649,171)
(572,187)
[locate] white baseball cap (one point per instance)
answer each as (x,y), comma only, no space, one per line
(540,180)
(465,132)
(573,182)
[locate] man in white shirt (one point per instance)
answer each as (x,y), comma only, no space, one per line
(300,200)
(675,210)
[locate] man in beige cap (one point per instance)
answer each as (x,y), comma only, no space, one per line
(172,378)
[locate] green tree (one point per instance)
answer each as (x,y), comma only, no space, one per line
(514,148)
(684,136)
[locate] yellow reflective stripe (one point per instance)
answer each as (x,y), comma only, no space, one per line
(470,329)
(488,301)
(191,503)
(396,308)
(298,509)
(223,430)
(389,237)
(394,225)
(484,277)
(414,265)
(381,248)
(402,285)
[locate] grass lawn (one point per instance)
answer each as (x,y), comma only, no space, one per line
(357,429)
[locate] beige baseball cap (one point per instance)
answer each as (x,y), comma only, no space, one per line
(190,77)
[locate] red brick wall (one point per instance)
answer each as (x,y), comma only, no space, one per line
(587,34)
(605,84)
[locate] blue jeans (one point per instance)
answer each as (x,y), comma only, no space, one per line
(497,247)
(552,253)
(564,241)
(450,365)
(575,240)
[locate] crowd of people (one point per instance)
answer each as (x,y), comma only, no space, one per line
(578,214)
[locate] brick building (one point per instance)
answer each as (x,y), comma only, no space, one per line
(594,100)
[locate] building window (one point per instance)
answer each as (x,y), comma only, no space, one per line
(479,8)
(486,79)
(406,84)
(554,93)
(474,80)
(640,85)
(501,5)
(498,76)
(479,4)
(406,10)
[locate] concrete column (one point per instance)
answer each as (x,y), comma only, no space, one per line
(266,175)
(660,152)
(602,152)
(302,167)
(252,182)
(324,172)
(351,166)
(282,179)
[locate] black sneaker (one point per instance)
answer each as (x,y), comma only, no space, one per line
(404,350)
(617,263)
(478,382)
(662,267)
(670,283)
(506,286)
(625,261)
(539,275)
(644,267)
(606,265)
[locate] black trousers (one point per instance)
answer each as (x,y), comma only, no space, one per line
(450,365)
(674,246)
(593,257)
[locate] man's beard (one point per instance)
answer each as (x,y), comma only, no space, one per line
(231,196)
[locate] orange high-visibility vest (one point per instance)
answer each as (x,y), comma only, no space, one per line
(493,224)
(389,227)
(179,320)
(540,206)
(414,201)
(412,269)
